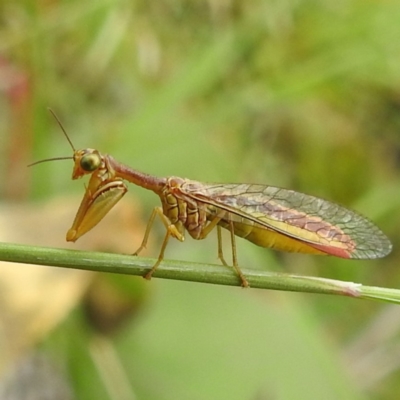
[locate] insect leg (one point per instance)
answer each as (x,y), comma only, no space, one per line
(149,274)
(234,255)
(171,228)
(220,252)
(211,225)
(209,228)
(147,232)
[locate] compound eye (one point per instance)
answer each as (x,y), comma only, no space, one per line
(90,162)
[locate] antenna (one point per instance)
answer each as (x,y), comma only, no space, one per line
(62,128)
(50,159)
(69,141)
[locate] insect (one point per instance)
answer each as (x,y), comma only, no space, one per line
(265,215)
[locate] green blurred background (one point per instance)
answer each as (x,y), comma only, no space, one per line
(299,94)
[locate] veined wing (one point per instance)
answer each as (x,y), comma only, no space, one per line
(325,226)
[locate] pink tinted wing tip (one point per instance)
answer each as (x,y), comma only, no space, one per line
(367,244)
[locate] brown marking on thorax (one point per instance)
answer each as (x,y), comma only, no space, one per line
(181,210)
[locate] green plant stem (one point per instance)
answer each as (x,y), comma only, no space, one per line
(189,271)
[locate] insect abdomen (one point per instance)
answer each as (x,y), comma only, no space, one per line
(269,238)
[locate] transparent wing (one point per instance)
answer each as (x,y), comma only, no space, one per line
(325,226)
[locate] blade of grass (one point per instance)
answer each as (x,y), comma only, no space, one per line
(189,271)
